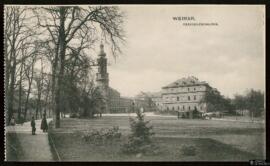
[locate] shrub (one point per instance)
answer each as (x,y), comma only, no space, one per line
(73,115)
(188,150)
(103,136)
(140,139)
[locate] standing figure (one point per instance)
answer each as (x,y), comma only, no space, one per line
(33,125)
(12,121)
(44,125)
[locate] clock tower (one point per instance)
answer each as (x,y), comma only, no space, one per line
(102,78)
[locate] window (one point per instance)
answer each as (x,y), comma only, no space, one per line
(194,97)
(177,98)
(194,89)
(178,108)
(188,97)
(187,89)
(188,107)
(168,108)
(183,107)
(173,108)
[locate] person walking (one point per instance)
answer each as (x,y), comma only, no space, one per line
(33,125)
(44,125)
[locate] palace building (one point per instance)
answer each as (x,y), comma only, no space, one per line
(184,95)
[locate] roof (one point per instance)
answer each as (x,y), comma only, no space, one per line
(148,94)
(188,81)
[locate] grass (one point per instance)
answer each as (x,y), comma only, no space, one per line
(213,140)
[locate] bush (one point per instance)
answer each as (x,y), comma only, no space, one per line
(140,139)
(188,150)
(73,115)
(103,136)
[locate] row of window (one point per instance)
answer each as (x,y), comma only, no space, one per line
(180,89)
(184,108)
(189,98)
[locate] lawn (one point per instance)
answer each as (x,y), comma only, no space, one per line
(213,140)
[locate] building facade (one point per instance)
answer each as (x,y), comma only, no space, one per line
(184,95)
(116,103)
(151,101)
(157,100)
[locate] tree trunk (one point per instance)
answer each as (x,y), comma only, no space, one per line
(7,76)
(62,49)
(11,91)
(46,101)
(36,113)
(13,68)
(29,90)
(20,96)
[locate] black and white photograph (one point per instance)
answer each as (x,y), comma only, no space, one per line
(167,83)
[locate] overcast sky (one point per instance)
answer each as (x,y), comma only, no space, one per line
(159,50)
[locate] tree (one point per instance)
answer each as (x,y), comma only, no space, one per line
(29,72)
(239,103)
(140,139)
(18,37)
(215,101)
(255,102)
(66,26)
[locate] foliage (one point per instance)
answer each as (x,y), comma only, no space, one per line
(253,101)
(103,136)
(196,114)
(215,101)
(140,139)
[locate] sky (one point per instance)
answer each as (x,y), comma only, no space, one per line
(159,50)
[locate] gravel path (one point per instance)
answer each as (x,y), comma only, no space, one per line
(34,147)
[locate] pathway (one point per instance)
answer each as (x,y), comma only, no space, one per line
(34,147)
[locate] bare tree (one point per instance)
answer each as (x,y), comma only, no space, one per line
(66,26)
(29,72)
(17,34)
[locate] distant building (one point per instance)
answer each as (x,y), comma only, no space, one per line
(146,101)
(184,95)
(157,100)
(116,103)
(152,101)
